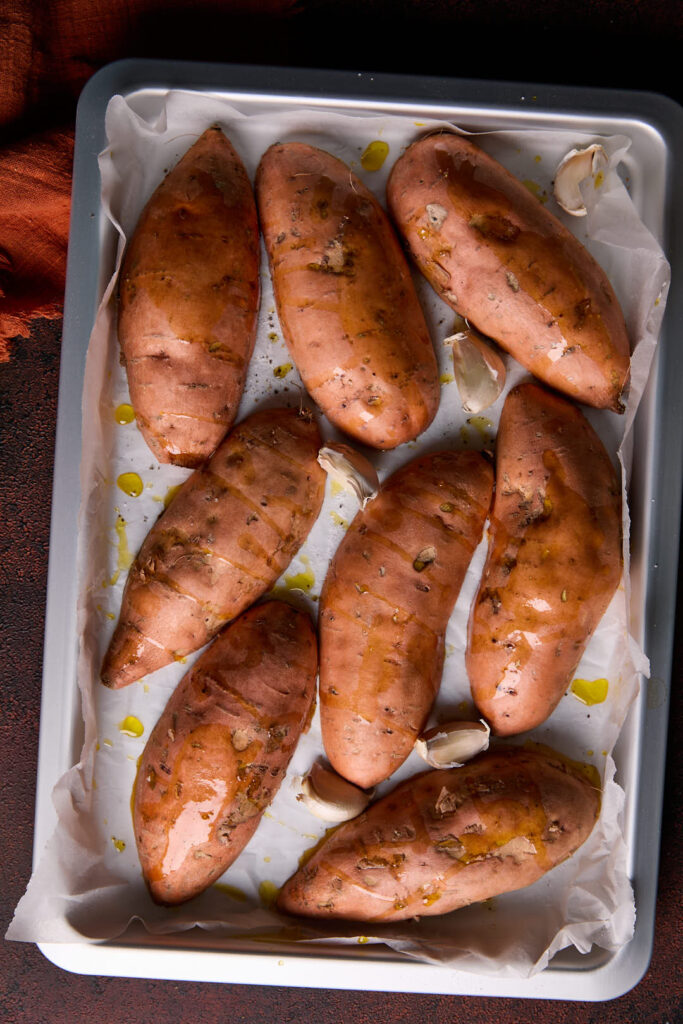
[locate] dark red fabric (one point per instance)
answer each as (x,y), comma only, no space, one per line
(35,179)
(48,50)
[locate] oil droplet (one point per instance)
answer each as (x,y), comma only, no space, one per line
(108,743)
(130,484)
(170,494)
(362,939)
(268,893)
(125,559)
(124,414)
(119,844)
(336,488)
(590,691)
(339,520)
(131,726)
(538,158)
(231,890)
(281,371)
(374,155)
(307,854)
(446,378)
(599,179)
(431,898)
(303,580)
(589,771)
(267,860)
(482,424)
(272,336)
(536,190)
(589,753)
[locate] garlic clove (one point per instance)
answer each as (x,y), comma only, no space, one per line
(478,369)
(452,744)
(351,470)
(330,797)
(579,165)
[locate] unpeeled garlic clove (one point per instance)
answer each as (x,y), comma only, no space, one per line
(452,744)
(330,797)
(578,166)
(478,369)
(351,470)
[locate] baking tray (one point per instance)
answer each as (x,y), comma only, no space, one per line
(654,125)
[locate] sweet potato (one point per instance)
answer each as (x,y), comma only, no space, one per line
(220,750)
(188,302)
(226,537)
(503,261)
(448,838)
(345,297)
(554,560)
(385,605)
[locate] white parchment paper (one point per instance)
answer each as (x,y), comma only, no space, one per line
(88,884)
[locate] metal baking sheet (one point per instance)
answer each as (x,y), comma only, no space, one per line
(654,126)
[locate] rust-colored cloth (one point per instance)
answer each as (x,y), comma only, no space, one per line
(35,184)
(48,50)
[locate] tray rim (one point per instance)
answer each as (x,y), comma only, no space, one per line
(624,969)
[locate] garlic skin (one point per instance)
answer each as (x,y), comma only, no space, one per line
(478,369)
(451,744)
(330,797)
(351,470)
(579,165)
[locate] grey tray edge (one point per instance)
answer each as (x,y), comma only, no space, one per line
(624,970)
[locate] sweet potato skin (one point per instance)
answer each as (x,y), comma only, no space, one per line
(223,541)
(385,605)
(445,839)
(498,257)
(345,297)
(188,302)
(220,750)
(554,560)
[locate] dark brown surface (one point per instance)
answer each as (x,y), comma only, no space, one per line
(634,46)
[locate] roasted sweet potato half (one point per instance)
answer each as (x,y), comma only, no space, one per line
(503,261)
(554,560)
(188,302)
(220,750)
(385,605)
(223,541)
(345,297)
(448,838)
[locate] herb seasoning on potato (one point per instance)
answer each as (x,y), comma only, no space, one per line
(500,259)
(447,838)
(345,297)
(188,302)
(385,605)
(220,750)
(225,538)
(554,560)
